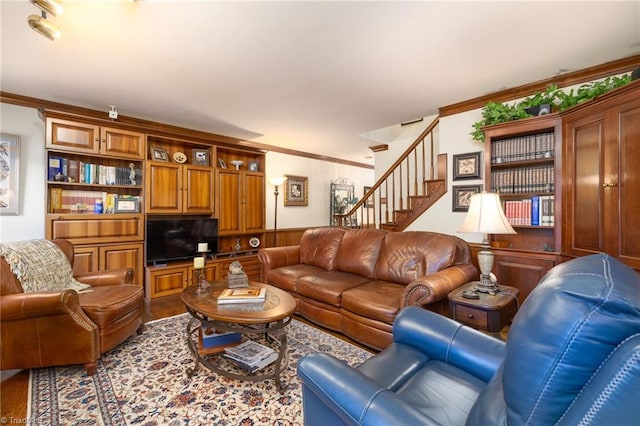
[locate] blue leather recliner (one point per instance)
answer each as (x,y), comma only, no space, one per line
(572,357)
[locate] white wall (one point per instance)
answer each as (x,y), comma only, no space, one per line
(320,174)
(29,223)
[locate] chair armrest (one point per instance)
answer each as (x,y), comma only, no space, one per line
(108,277)
(350,395)
(435,287)
(276,257)
(446,340)
(21,306)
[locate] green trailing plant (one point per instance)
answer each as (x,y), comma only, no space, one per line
(497,112)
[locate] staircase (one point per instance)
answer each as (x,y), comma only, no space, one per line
(416,180)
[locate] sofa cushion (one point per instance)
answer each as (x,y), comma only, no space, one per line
(319,246)
(359,250)
(286,277)
(327,286)
(379,300)
(405,256)
(107,305)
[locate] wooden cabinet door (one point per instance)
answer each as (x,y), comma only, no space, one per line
(124,256)
(72,136)
(254,202)
(166,281)
(163,187)
(228,195)
(85,259)
(521,270)
(122,143)
(198,189)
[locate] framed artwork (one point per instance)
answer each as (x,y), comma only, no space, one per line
(296,191)
(221,163)
(200,157)
(462,196)
(159,154)
(126,205)
(253,166)
(466,166)
(9,174)
(369,203)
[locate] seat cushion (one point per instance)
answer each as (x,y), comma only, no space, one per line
(327,286)
(107,305)
(359,251)
(319,246)
(379,300)
(286,277)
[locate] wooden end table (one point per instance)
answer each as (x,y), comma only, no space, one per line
(256,319)
(489,312)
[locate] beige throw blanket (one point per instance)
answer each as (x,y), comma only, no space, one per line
(40,265)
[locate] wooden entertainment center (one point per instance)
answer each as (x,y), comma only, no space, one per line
(105,179)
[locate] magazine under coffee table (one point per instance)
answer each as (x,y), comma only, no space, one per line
(263,322)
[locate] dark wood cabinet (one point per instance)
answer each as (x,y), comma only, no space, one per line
(601,176)
(178,188)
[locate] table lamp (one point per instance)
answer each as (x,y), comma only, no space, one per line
(486,216)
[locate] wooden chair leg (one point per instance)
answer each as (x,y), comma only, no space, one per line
(140,329)
(91,368)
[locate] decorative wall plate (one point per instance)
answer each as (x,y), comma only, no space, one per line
(179,157)
(254,242)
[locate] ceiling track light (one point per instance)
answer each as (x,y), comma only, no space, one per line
(40,25)
(50,6)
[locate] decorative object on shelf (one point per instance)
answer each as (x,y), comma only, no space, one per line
(254,242)
(276,181)
(9,173)
(159,154)
(237,278)
(40,24)
(237,164)
(487,217)
(179,157)
(221,163)
(296,191)
(126,205)
(341,194)
(132,174)
(466,166)
(200,157)
(238,246)
(462,196)
(254,166)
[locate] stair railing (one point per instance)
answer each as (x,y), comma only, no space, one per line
(406,179)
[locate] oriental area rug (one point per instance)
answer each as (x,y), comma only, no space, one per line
(144,382)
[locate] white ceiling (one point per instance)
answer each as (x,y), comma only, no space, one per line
(310,76)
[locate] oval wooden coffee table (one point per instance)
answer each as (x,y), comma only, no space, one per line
(254,319)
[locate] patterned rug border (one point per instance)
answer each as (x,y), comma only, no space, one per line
(123,386)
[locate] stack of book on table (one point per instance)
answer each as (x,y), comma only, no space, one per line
(212,338)
(250,355)
(242,295)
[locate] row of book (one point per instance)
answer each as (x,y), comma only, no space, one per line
(523,148)
(63,169)
(524,180)
(535,211)
(78,201)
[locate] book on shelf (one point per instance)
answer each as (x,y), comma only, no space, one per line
(251,355)
(212,338)
(242,295)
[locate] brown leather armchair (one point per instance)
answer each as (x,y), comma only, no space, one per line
(44,329)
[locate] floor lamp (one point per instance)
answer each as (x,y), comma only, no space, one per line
(276,181)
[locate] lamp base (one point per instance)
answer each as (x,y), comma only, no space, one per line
(485,285)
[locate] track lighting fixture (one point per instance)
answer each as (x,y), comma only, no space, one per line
(40,24)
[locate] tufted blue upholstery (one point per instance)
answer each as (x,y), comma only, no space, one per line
(572,357)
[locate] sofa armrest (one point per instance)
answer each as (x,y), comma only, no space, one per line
(276,257)
(108,277)
(432,288)
(331,384)
(21,306)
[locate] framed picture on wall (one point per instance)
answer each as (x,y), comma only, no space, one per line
(296,191)
(462,196)
(159,154)
(9,173)
(466,166)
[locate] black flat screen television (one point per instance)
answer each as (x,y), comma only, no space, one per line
(177,239)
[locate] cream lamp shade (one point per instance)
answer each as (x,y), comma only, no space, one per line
(486,216)
(276,180)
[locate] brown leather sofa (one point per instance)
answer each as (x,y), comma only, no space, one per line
(43,329)
(355,281)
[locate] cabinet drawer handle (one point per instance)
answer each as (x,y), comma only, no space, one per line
(609,185)
(470,316)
